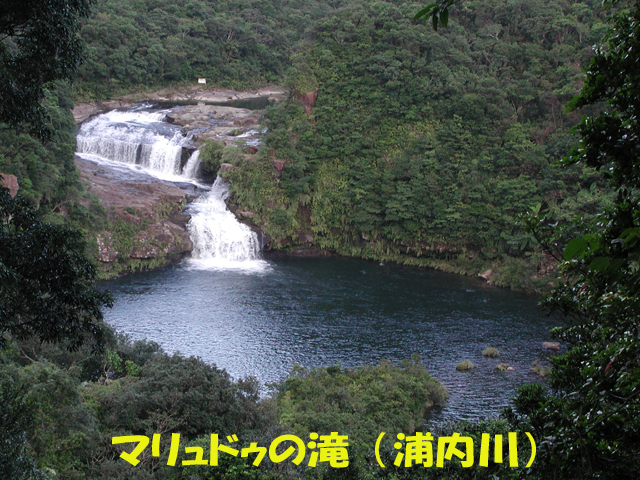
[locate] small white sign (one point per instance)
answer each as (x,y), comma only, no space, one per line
(202,80)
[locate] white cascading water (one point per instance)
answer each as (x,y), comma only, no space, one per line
(141,138)
(219,240)
(135,137)
(192,167)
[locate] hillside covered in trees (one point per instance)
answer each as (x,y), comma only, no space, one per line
(132,45)
(397,142)
(424,147)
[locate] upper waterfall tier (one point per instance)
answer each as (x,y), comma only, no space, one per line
(136,137)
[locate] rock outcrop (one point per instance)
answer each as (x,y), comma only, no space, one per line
(146,225)
(200,93)
(551,345)
(214,122)
(10,182)
(309,100)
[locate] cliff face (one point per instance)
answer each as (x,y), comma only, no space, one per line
(145,224)
(10,182)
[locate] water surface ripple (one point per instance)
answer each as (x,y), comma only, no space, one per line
(325,311)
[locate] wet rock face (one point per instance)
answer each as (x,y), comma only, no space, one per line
(147,210)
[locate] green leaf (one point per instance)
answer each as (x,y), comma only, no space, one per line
(615,264)
(575,247)
(594,246)
(435,19)
(444,17)
(424,12)
(599,264)
(535,209)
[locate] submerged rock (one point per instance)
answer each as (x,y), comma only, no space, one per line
(505,367)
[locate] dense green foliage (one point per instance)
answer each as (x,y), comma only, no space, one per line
(61,408)
(359,403)
(427,146)
(47,281)
(593,416)
(45,169)
(233,43)
(39,44)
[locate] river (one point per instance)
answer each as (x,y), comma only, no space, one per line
(254,316)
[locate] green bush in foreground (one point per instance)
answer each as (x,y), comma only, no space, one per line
(361,402)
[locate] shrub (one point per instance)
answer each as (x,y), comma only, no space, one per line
(360,403)
(211,156)
(490,352)
(465,365)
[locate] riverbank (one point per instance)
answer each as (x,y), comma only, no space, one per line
(180,95)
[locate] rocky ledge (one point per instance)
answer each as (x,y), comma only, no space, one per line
(145,226)
(202,96)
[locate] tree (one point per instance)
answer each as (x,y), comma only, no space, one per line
(46,279)
(38,45)
(16,419)
(590,426)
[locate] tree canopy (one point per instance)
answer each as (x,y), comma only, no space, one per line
(591,422)
(424,147)
(47,280)
(39,44)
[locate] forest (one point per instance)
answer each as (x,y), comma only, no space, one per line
(502,140)
(424,147)
(420,147)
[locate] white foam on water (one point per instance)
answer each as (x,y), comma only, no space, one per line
(137,137)
(220,242)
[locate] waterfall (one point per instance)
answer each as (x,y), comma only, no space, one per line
(219,240)
(140,138)
(134,137)
(192,167)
